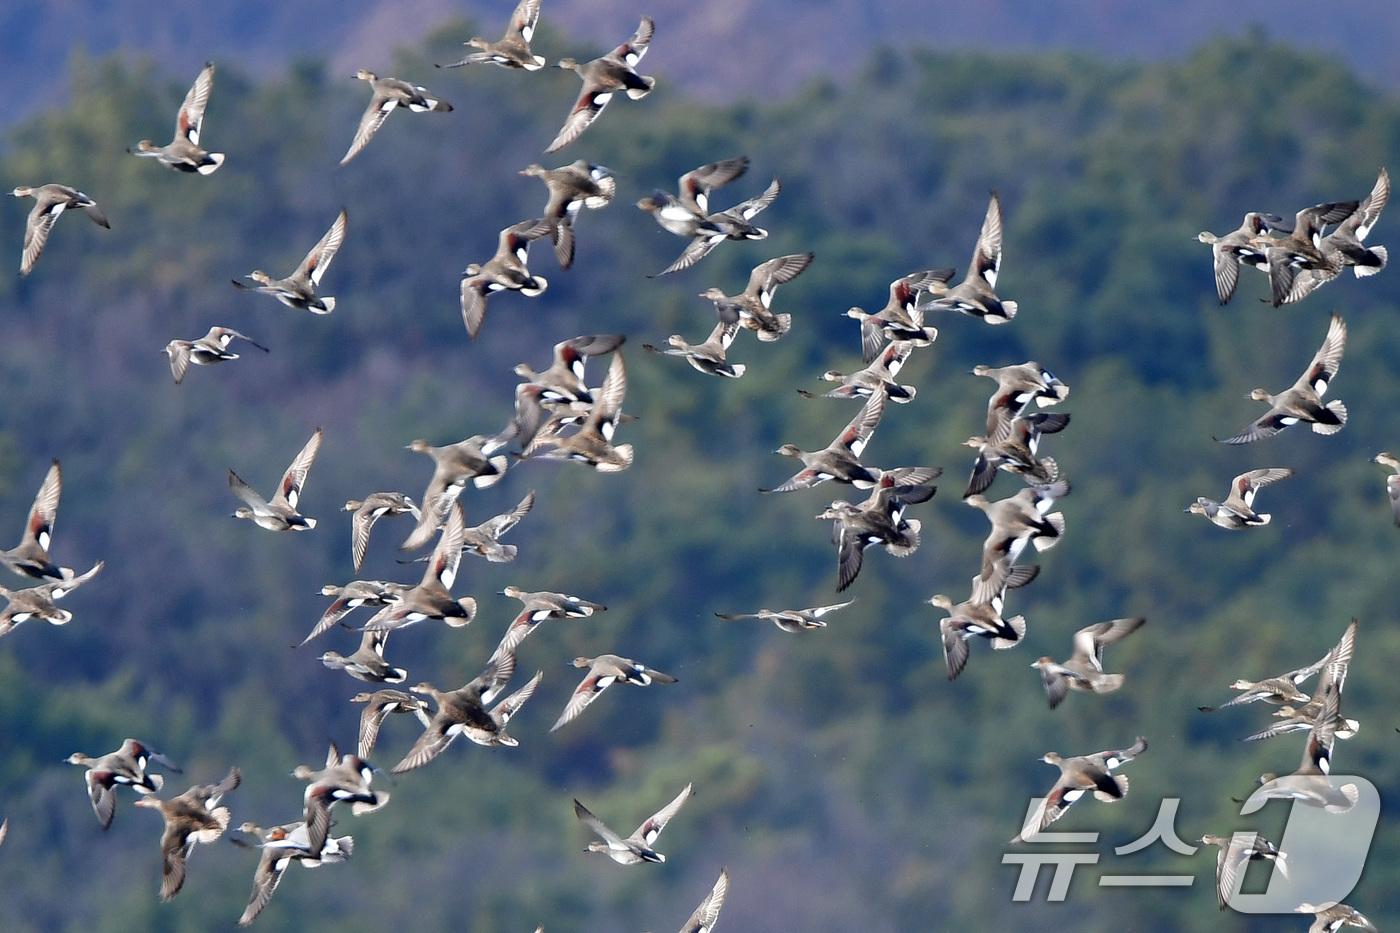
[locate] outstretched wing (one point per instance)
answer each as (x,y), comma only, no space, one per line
(36,234)
(597,825)
(631,51)
(1049,809)
(590,103)
(191,116)
(654,824)
(986,257)
(706,239)
(104,798)
(266,877)
(1328,359)
(319,259)
(585,693)
(703,920)
(44,512)
(374,116)
(511,704)
(850,556)
(429,745)
(1267,426)
(857,433)
(289,490)
(500,524)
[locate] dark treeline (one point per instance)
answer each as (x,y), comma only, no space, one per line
(840,777)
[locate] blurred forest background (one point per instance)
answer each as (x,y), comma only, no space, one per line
(731,47)
(839,776)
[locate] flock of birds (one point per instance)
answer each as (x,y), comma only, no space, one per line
(1298,261)
(557,416)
